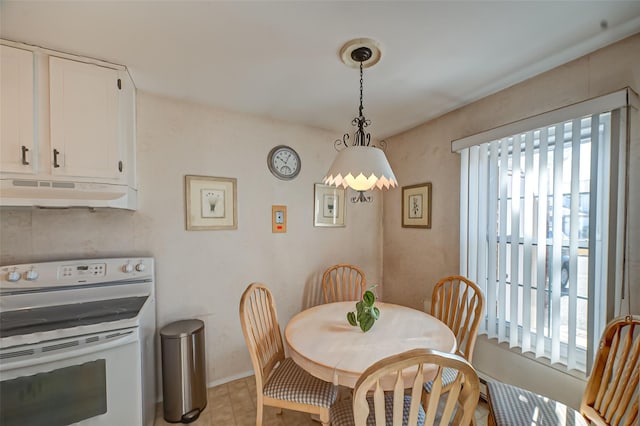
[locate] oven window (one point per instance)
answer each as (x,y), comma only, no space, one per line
(56,398)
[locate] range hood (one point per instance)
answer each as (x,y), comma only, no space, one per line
(60,194)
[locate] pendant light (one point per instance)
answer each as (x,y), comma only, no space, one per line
(360,166)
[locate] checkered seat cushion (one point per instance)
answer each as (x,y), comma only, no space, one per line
(289,382)
(513,406)
(448,376)
(342,412)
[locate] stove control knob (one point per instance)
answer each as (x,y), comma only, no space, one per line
(140,267)
(127,268)
(13,276)
(31,275)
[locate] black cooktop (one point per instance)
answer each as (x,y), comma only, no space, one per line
(27,321)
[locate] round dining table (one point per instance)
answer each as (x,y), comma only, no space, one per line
(322,341)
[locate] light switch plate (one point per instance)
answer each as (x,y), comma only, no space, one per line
(278,219)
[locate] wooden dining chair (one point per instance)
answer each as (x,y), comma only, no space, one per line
(372,406)
(342,283)
(279,380)
(610,396)
(458,302)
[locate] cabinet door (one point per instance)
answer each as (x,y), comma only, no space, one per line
(84,119)
(16,111)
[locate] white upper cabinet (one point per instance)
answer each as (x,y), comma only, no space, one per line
(68,135)
(84,122)
(17,117)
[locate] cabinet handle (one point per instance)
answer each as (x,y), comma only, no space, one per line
(55,158)
(120,166)
(24,155)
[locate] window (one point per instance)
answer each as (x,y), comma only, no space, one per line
(542,226)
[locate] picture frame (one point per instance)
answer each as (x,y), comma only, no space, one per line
(329,206)
(416,206)
(211,203)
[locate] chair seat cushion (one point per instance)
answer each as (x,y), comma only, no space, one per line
(514,406)
(289,382)
(448,376)
(341,413)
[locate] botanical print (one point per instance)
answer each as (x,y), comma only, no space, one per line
(330,206)
(212,203)
(415,206)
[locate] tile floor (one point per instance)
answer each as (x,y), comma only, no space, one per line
(234,404)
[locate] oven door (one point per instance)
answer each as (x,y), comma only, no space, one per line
(88,380)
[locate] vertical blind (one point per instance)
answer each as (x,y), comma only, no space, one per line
(538,209)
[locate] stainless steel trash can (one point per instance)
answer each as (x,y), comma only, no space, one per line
(183,370)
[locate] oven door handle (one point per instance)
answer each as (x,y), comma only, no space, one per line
(122,338)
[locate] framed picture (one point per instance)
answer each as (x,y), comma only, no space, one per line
(210,203)
(416,206)
(329,205)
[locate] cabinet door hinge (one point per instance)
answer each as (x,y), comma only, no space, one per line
(119,84)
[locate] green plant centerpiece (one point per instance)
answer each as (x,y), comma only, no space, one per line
(366,314)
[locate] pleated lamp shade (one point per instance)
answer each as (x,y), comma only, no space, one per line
(361,168)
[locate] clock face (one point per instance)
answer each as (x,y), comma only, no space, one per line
(284,162)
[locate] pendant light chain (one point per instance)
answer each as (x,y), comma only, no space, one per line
(361,137)
(361,91)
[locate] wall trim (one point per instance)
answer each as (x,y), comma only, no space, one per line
(218,382)
(530,356)
(228,379)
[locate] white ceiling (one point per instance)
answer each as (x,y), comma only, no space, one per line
(280,59)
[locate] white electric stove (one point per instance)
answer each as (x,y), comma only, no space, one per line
(77,343)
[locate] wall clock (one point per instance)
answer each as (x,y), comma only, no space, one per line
(284,162)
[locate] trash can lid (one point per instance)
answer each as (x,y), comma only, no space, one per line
(181,328)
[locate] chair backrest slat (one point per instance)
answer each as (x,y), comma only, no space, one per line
(458,302)
(398,399)
(379,405)
(432,403)
(609,401)
(633,419)
(605,373)
(450,402)
(416,393)
(459,320)
(342,283)
(614,380)
(628,390)
(623,375)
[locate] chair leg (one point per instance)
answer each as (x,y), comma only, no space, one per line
(343,392)
(491,421)
(324,417)
(259,412)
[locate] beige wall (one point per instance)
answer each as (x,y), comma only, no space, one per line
(415,259)
(202,274)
